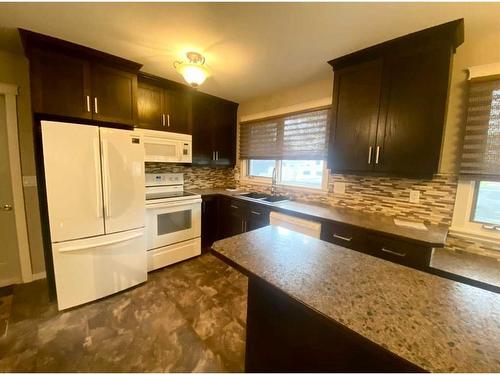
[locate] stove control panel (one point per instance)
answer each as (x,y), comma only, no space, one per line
(164,179)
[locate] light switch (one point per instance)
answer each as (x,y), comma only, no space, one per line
(339,187)
(414,196)
(29,181)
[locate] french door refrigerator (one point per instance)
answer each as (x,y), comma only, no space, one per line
(94,179)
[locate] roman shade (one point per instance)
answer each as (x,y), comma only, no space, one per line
(481,146)
(299,136)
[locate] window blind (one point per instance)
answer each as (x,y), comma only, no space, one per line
(481,147)
(301,136)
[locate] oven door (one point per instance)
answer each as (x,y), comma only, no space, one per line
(172,222)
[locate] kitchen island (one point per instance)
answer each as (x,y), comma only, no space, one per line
(315,306)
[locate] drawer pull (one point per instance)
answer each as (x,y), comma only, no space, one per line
(348,239)
(255,212)
(233,206)
(393,252)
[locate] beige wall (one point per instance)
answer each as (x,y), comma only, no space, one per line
(478,49)
(14,69)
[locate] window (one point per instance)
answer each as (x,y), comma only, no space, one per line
(300,173)
(293,144)
(261,168)
(486,207)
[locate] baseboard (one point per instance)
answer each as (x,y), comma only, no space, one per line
(39,275)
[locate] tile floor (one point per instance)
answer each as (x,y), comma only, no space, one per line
(188,317)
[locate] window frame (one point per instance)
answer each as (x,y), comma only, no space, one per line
(462,223)
(247,178)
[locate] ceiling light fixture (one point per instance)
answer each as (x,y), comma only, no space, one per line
(194,71)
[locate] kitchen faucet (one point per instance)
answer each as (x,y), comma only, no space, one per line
(273,182)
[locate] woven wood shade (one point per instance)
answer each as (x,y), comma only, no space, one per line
(481,148)
(301,136)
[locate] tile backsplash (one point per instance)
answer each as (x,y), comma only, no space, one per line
(196,177)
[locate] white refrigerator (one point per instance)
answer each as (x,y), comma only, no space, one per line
(94,179)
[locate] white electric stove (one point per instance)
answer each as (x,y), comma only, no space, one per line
(173,220)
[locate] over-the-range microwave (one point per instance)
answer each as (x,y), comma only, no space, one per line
(166,147)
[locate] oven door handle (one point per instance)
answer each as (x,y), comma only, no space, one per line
(150,206)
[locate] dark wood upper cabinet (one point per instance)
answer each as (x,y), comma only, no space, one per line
(178,111)
(389,104)
(149,106)
(74,81)
(114,94)
(60,84)
(356,102)
(214,131)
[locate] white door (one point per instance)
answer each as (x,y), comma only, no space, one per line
(9,256)
(123,179)
(92,268)
(73,180)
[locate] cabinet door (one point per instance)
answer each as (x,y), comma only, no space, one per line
(256,217)
(203,151)
(150,107)
(114,95)
(178,111)
(356,99)
(224,121)
(209,219)
(60,85)
(231,215)
(414,110)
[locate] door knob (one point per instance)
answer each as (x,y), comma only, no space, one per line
(7,207)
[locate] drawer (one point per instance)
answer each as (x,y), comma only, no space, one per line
(344,235)
(258,212)
(399,251)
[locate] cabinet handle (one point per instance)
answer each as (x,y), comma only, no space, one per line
(347,239)
(216,155)
(168,121)
(88,103)
(213,155)
(370,154)
(255,212)
(163,119)
(242,226)
(393,252)
(95,105)
(234,206)
(377,154)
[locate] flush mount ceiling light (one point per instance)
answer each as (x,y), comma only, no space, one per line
(194,71)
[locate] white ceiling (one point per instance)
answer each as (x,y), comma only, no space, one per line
(252,49)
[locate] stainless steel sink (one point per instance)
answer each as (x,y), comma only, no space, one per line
(265,197)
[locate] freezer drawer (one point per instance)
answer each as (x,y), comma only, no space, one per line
(92,268)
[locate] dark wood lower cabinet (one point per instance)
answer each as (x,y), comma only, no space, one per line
(209,220)
(284,335)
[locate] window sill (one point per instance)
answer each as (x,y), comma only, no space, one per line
(251,181)
(479,236)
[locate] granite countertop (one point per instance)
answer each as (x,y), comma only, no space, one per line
(435,323)
(473,266)
(434,235)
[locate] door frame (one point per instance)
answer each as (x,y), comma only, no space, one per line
(10,92)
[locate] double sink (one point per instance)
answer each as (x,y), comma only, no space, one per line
(265,197)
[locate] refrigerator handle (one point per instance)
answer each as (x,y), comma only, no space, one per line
(105,178)
(98,183)
(93,245)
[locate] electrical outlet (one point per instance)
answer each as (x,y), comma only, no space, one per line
(414,196)
(339,187)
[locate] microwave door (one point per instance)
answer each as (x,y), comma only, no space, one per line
(162,150)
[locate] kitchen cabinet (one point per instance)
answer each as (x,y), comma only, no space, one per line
(73,81)
(163,105)
(378,245)
(214,131)
(389,104)
(209,220)
(237,216)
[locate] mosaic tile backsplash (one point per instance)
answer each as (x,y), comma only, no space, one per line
(385,195)
(196,177)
